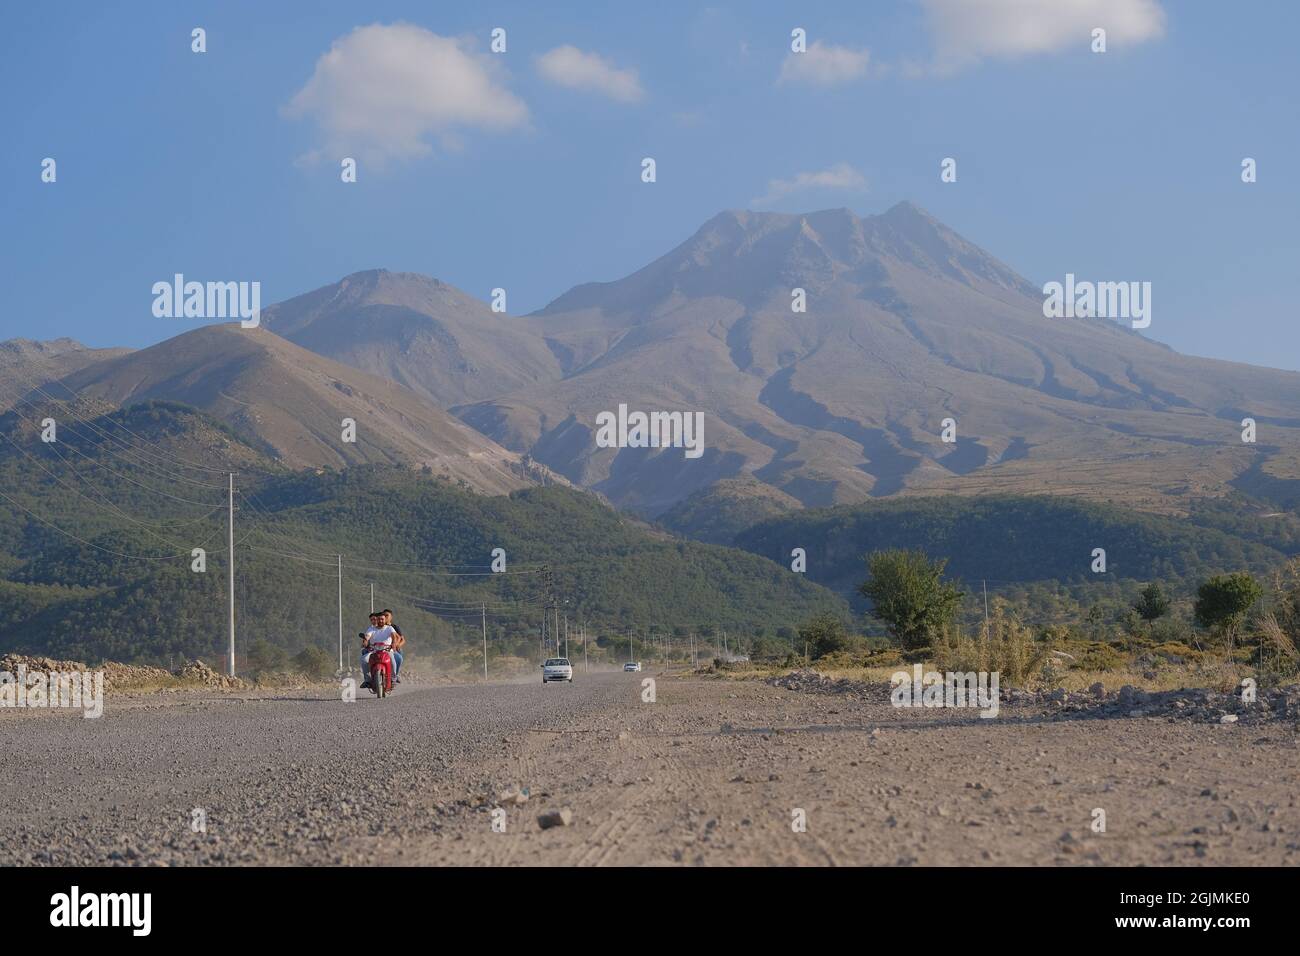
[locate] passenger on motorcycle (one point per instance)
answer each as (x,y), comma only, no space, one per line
(386,618)
(375,636)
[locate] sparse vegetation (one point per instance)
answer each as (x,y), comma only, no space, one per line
(1005,646)
(908,593)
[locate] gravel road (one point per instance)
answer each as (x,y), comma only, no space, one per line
(297,778)
(712,772)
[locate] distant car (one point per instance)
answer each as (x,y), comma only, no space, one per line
(632,666)
(557,668)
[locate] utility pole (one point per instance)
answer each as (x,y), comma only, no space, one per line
(566,636)
(548,582)
(629,643)
(372,597)
(483,608)
(586,665)
(340,557)
(986,608)
(230,544)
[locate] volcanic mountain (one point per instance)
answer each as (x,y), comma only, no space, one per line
(291,404)
(907,324)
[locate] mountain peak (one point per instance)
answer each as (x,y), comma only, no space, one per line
(42,346)
(748,255)
(906,209)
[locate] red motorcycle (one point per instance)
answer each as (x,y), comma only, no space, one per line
(381,671)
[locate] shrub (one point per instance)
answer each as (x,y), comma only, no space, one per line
(1279,651)
(1100,657)
(824,634)
(1005,646)
(265,656)
(314,662)
(1176,653)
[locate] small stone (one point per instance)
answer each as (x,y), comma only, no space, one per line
(555,818)
(516,795)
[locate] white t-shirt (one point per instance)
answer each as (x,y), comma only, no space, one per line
(380,636)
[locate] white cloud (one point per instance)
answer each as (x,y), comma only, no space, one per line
(840,176)
(381,92)
(966,31)
(570,67)
(824,65)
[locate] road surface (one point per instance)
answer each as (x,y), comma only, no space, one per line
(712,772)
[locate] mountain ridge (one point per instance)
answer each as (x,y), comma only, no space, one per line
(908,325)
(292,403)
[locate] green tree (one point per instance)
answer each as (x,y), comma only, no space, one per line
(765,648)
(1223,600)
(908,593)
(1151,604)
(823,634)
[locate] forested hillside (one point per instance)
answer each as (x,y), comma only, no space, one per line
(97,532)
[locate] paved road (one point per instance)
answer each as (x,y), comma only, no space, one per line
(293,778)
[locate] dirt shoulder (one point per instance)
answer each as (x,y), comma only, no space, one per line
(714,772)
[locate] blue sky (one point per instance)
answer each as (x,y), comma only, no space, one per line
(522,169)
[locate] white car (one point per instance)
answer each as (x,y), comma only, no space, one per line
(632,666)
(557,668)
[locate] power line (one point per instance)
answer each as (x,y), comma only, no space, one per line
(91,544)
(158,458)
(100,464)
(112,507)
(172,459)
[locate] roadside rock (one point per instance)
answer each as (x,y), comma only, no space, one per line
(807,680)
(513,795)
(1190,704)
(555,818)
(116,676)
(197,672)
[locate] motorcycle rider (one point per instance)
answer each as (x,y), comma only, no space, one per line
(377,635)
(386,619)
